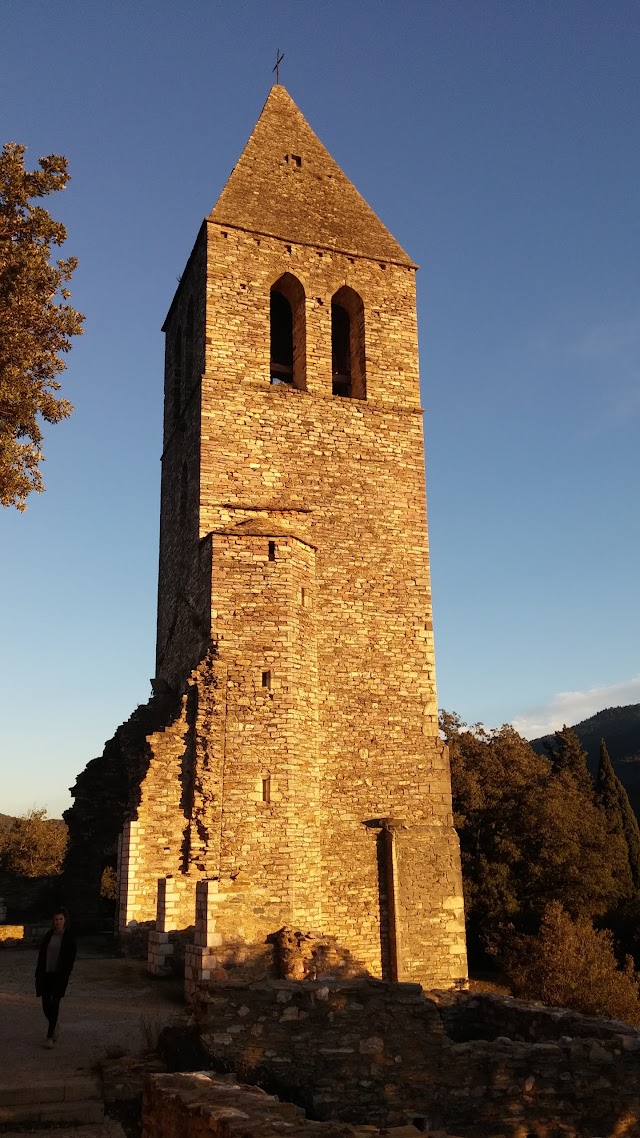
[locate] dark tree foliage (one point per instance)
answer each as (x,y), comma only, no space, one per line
(569,964)
(569,756)
(620,817)
(531,833)
(33,845)
(36,323)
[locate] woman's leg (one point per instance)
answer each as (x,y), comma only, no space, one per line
(50,1007)
(46,1004)
(54,1009)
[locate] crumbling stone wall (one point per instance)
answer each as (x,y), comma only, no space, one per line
(106,794)
(348,1050)
(202,1105)
(487,1016)
(369,1052)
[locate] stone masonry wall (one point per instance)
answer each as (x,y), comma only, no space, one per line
(342,1050)
(294,546)
(468,1016)
(268,846)
(184,571)
(348,476)
(106,795)
(377,1054)
(203,1105)
(157,838)
(428,902)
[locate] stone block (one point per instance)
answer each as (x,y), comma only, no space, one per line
(32,1093)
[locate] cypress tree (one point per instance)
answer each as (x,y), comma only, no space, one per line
(569,756)
(613,796)
(614,800)
(631,833)
(608,789)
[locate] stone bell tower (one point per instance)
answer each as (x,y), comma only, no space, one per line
(302,771)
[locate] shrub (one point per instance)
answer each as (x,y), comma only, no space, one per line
(570,964)
(33,845)
(108,883)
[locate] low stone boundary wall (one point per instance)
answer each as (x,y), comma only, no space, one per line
(22,936)
(202,1105)
(166,951)
(373,1053)
(348,1050)
(578,1089)
(487,1016)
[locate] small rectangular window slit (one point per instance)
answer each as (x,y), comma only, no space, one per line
(266,679)
(272,551)
(266,789)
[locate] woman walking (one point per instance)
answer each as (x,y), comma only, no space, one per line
(55,961)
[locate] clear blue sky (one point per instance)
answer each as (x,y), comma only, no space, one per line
(499,143)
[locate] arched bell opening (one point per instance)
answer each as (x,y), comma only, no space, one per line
(288,356)
(348,377)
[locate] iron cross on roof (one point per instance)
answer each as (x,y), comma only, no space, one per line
(279,59)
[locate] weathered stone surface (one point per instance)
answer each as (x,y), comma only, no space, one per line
(376,1053)
(493,1017)
(22,936)
(299,764)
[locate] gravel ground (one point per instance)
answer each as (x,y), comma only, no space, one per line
(111,1007)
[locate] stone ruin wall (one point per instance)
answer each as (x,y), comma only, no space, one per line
(369,1053)
(107,795)
(206,1106)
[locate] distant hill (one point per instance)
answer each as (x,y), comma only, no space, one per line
(620,729)
(7,819)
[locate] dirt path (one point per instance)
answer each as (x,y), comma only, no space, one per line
(112,1006)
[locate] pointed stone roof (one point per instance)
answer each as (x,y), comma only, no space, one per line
(286,184)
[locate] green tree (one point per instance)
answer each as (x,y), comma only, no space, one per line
(568,964)
(36,323)
(33,845)
(530,833)
(108,883)
(571,857)
(569,756)
(621,818)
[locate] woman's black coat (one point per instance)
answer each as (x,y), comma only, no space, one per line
(64,966)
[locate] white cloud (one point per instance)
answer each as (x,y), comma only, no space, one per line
(571,707)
